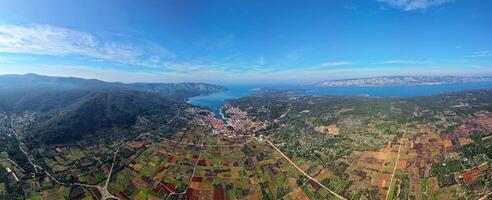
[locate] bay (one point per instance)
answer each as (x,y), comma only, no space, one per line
(213,101)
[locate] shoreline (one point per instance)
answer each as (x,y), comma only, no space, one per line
(222,116)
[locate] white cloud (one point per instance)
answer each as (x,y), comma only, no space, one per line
(412,5)
(46,40)
(58,41)
(414,62)
(189,67)
(335,63)
(480,54)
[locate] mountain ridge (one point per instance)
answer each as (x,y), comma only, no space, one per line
(402,81)
(31,80)
(26,92)
(69,109)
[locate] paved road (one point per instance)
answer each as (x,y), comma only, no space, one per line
(302,171)
(396,163)
(194,170)
(14,163)
(105,194)
(104,190)
(485,197)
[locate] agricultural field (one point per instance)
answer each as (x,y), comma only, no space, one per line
(301,147)
(411,148)
(209,168)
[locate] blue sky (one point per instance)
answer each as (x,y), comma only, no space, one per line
(245,41)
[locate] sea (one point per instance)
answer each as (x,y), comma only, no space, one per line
(214,101)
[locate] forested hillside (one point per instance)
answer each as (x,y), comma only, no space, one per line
(67,109)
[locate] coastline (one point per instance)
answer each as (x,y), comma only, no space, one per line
(222,116)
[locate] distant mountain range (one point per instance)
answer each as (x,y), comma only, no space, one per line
(71,108)
(51,83)
(403,81)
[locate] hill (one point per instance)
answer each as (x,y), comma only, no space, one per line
(43,93)
(102,110)
(70,108)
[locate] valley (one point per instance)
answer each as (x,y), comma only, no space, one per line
(271,145)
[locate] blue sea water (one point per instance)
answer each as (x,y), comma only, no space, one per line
(213,101)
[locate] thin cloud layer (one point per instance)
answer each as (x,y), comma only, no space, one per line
(416,62)
(480,54)
(58,41)
(335,63)
(412,5)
